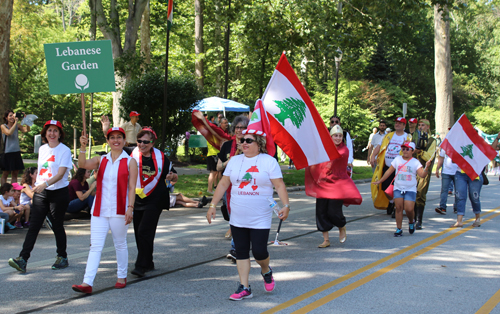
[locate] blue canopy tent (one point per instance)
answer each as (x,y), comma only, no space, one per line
(221,104)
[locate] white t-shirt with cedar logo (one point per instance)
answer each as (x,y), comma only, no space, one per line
(394,148)
(49,162)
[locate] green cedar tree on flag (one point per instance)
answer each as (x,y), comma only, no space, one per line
(170,13)
(296,125)
(467,148)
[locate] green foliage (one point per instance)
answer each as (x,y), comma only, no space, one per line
(145,95)
(487,119)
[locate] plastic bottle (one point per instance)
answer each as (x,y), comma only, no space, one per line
(274,205)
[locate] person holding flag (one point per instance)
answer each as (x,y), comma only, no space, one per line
(332,187)
(471,153)
(252,176)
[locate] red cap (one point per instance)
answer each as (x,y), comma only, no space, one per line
(134,113)
(413,120)
(54,122)
(401,119)
(116,128)
(409,145)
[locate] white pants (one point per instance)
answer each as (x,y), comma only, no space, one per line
(99,227)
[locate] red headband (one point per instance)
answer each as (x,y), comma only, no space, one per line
(148,128)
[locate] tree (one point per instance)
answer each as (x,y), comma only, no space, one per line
(146,96)
(442,69)
(110,28)
(198,41)
(6,9)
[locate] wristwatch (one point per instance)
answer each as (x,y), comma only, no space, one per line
(287,205)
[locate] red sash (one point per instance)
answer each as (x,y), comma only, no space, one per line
(122,186)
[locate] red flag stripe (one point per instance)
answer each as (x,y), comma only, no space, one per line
(285,68)
(458,159)
(288,144)
(478,141)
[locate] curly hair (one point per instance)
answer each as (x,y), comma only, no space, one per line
(239,119)
(27,175)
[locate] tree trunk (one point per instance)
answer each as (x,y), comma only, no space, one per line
(111,30)
(443,75)
(198,42)
(146,35)
(6,8)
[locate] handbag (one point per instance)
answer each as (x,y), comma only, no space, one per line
(2,153)
(390,190)
(485,177)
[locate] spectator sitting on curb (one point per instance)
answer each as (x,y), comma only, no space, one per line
(26,208)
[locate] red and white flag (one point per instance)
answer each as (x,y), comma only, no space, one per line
(296,125)
(259,125)
(467,148)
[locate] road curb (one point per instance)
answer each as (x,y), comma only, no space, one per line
(302,187)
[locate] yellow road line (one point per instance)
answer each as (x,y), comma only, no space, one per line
(490,305)
(385,270)
(337,281)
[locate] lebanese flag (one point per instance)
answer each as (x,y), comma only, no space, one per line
(296,125)
(212,133)
(259,124)
(170,13)
(467,148)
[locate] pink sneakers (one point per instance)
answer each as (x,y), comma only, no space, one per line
(241,293)
(269,280)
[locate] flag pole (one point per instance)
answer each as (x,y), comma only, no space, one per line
(83,114)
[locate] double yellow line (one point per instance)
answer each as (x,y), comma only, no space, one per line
(314,305)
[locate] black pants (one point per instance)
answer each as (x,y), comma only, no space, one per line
(257,237)
(48,203)
(329,214)
(145,223)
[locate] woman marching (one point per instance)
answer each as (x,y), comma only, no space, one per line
(405,185)
(51,195)
(13,161)
(113,206)
(332,187)
(152,196)
(252,175)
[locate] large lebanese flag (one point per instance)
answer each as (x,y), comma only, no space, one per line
(467,148)
(296,125)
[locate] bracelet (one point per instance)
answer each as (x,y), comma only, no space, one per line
(47,183)
(130,206)
(82,152)
(212,205)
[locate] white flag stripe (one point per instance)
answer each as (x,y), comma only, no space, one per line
(307,137)
(459,140)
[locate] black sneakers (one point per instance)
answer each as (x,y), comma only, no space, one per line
(232,256)
(18,263)
(390,208)
(60,263)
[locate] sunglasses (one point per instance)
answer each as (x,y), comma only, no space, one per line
(334,121)
(144,142)
(405,148)
(248,140)
(240,127)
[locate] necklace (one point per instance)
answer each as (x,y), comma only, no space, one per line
(239,172)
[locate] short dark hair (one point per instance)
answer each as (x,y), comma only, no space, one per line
(6,187)
(335,116)
(144,132)
(383,121)
(80,174)
(44,133)
(6,114)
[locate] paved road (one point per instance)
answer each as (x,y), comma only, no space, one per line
(436,270)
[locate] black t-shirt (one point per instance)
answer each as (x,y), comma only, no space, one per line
(225,151)
(160,197)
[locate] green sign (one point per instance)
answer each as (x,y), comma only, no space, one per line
(80,67)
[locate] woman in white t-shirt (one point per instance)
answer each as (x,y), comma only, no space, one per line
(113,206)
(405,185)
(50,195)
(252,175)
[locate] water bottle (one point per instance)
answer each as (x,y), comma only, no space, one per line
(274,205)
